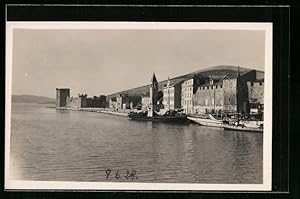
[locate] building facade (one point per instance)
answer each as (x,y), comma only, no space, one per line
(112,103)
(172,96)
(209,98)
(229,94)
(256,96)
(187,93)
(119,104)
(236,96)
(189,88)
(62,95)
(124,101)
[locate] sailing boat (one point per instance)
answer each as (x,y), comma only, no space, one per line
(240,125)
(206,120)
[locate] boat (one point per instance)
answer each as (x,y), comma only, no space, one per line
(242,127)
(206,120)
(170,116)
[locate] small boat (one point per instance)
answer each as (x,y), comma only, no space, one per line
(206,120)
(210,120)
(241,127)
(169,117)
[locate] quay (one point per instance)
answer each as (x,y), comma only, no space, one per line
(123,113)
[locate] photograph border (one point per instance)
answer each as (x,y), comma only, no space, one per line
(55,185)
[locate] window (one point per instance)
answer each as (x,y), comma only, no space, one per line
(212,87)
(220,86)
(260,83)
(251,83)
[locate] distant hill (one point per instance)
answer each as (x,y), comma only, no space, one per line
(214,71)
(32,99)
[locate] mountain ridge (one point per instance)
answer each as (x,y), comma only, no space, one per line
(32,99)
(220,70)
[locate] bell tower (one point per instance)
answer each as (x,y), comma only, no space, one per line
(153,96)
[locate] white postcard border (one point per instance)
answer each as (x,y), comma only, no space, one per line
(70,185)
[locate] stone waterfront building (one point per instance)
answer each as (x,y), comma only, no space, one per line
(124,101)
(236,92)
(227,94)
(209,97)
(256,96)
(112,103)
(189,87)
(172,96)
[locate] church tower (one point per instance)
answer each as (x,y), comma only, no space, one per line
(153,96)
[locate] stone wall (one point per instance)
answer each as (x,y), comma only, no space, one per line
(256,91)
(208,98)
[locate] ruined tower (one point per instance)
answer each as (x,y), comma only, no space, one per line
(61,97)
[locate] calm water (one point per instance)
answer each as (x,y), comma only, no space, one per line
(50,144)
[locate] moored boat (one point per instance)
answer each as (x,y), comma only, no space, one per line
(206,120)
(169,117)
(240,127)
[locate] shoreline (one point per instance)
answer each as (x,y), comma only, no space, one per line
(98,110)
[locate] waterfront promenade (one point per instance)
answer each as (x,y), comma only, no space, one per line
(121,112)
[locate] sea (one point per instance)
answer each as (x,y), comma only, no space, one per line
(47,144)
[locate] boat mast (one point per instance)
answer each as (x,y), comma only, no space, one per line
(237,94)
(168,86)
(214,98)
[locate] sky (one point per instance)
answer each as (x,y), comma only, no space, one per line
(102,61)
